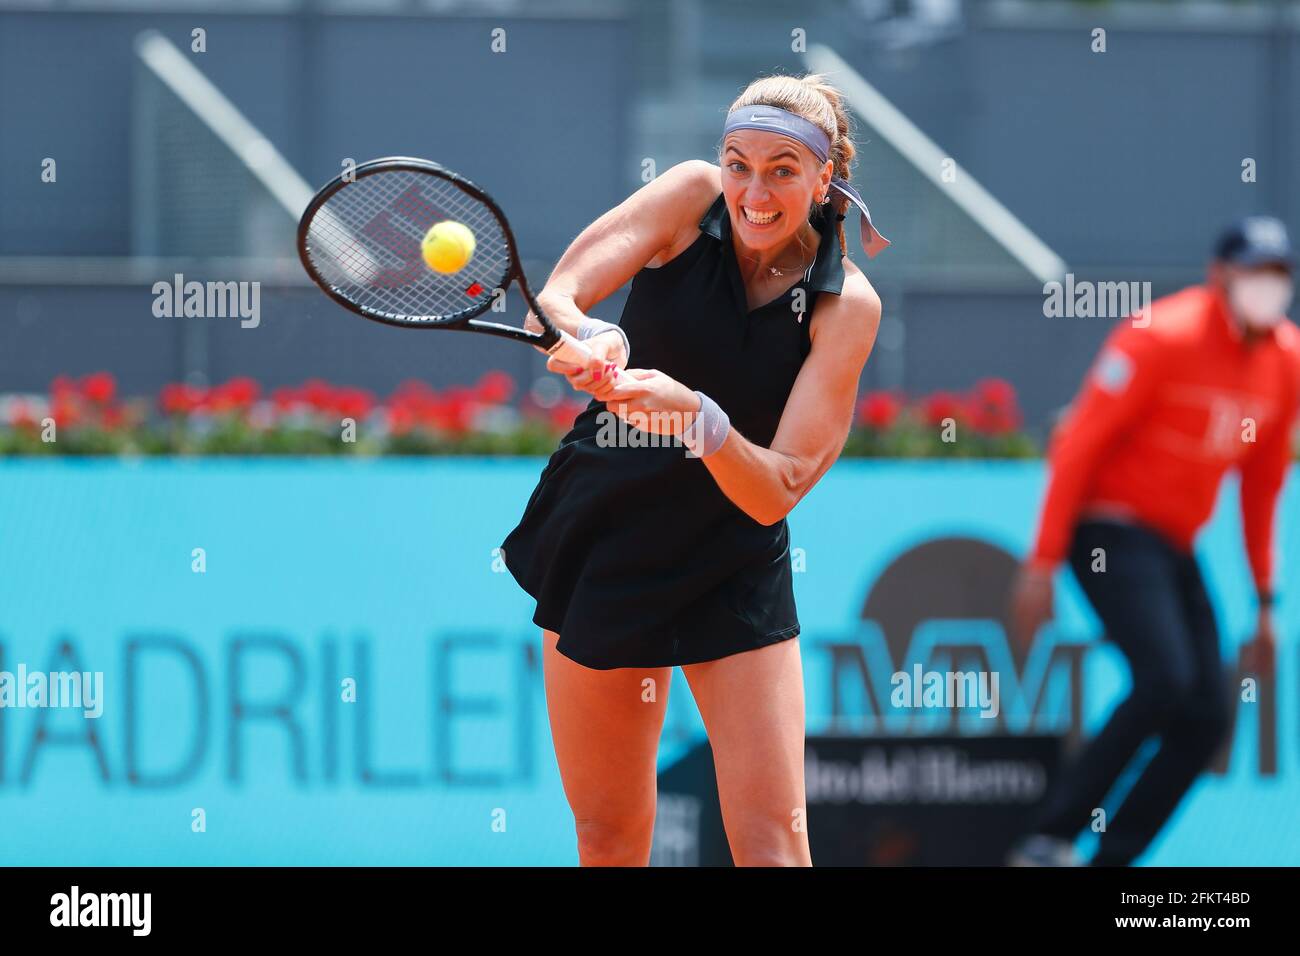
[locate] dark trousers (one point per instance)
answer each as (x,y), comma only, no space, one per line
(1152,604)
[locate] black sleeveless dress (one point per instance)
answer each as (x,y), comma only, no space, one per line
(635,556)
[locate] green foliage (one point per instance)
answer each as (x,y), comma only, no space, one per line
(317,418)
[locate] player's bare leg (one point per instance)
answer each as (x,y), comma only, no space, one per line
(605,726)
(753,708)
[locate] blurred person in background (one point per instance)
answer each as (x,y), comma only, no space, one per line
(1209,382)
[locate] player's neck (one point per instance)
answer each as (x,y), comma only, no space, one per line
(790,257)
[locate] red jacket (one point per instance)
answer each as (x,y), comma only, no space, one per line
(1165,411)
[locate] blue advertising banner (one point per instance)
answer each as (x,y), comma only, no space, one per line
(322,662)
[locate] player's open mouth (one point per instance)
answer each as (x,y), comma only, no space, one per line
(759,218)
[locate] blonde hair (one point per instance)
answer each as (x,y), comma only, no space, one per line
(818,102)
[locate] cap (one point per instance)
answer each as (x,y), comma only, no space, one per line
(1255,241)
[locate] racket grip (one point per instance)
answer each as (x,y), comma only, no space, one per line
(568,349)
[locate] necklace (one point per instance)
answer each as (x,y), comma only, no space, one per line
(773,270)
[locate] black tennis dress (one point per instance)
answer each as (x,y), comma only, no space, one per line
(635,556)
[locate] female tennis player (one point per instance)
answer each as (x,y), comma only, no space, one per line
(667,544)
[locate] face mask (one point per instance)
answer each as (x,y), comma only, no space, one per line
(1260,301)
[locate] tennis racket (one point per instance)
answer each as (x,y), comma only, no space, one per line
(360,241)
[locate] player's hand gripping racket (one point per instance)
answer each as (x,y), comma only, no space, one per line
(362,240)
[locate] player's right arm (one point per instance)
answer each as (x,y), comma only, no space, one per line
(614,248)
(1117,389)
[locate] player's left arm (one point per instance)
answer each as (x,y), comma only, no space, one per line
(766,483)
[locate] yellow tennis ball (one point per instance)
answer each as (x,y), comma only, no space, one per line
(447,247)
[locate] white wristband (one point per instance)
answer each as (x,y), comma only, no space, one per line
(587,327)
(709,430)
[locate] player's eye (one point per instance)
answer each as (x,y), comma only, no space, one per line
(736,166)
(784,169)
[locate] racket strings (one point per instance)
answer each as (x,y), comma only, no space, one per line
(365,242)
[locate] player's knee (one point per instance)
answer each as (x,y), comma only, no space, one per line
(615,840)
(768,841)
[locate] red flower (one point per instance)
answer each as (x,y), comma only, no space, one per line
(354,403)
(494,388)
(239,392)
(99,387)
(564,412)
(992,407)
(63,388)
(318,394)
(458,409)
(415,403)
(286,399)
(996,391)
(401,419)
(879,410)
(65,413)
(216,401)
(407,406)
(413,388)
(178,399)
(940,405)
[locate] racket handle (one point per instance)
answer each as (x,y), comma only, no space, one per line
(568,349)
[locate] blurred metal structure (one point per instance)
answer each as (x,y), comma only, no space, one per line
(948,232)
(205,182)
(946,226)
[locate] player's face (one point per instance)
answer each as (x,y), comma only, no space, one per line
(769,181)
(1258,295)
